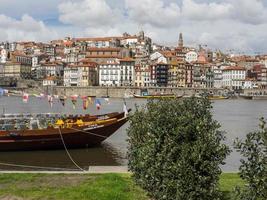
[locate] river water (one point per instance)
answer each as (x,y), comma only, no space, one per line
(237,117)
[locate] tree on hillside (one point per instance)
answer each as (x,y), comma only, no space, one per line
(253,169)
(175,149)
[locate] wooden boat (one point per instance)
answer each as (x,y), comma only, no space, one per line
(248,97)
(159,96)
(259,97)
(54,137)
(218,97)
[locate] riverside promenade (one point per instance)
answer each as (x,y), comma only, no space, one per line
(122,92)
(91,170)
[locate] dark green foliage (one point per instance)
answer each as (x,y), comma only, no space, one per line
(175,149)
(253,167)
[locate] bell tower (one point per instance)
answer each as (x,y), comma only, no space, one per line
(181,41)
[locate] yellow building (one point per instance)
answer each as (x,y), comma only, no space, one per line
(177,74)
(142,76)
(11,69)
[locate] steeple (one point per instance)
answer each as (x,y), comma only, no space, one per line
(181,41)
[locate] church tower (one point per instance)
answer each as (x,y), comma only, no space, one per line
(181,41)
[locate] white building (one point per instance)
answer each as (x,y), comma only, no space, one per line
(109,73)
(117,73)
(72,76)
(130,40)
(127,71)
(3,56)
(250,84)
(50,81)
(218,76)
(158,57)
(52,69)
(191,56)
(234,77)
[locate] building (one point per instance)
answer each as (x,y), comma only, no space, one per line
(49,69)
(234,77)
(109,73)
(218,77)
(102,55)
(199,74)
(158,57)
(117,73)
(127,72)
(100,42)
(188,75)
(181,41)
(209,78)
(161,72)
(258,73)
(82,74)
(72,76)
(250,84)
(50,81)
(11,69)
(3,55)
(143,76)
(191,56)
(173,74)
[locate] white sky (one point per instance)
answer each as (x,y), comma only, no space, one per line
(240,25)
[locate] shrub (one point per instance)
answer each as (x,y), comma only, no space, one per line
(253,167)
(175,149)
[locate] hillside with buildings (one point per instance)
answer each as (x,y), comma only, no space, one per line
(128,61)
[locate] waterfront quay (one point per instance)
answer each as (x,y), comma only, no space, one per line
(122,92)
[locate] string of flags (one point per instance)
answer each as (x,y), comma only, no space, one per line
(86,100)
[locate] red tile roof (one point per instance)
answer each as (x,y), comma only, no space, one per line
(230,68)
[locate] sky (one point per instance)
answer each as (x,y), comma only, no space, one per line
(238,26)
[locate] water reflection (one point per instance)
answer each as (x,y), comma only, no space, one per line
(103,155)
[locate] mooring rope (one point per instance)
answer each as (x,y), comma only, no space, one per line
(90,133)
(68,153)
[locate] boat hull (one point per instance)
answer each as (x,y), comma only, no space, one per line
(156,96)
(49,139)
(259,97)
(218,98)
(246,97)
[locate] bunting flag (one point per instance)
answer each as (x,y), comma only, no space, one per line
(2,92)
(50,100)
(107,100)
(97,104)
(6,92)
(125,110)
(85,102)
(62,99)
(74,101)
(39,95)
(90,101)
(25,97)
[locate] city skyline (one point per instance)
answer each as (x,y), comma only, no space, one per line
(227,25)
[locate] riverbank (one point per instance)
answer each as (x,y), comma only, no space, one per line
(85,186)
(121,92)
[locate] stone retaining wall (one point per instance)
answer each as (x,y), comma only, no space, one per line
(121,92)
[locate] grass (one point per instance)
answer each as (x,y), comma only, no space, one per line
(228,182)
(89,187)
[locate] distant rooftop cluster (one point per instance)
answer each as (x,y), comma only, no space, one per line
(128,60)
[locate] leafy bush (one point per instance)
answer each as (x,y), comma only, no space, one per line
(175,149)
(253,167)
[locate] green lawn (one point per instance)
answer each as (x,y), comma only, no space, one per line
(227,184)
(91,187)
